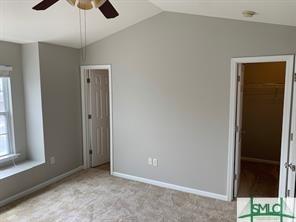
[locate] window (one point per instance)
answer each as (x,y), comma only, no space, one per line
(6,138)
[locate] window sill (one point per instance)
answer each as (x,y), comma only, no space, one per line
(18,168)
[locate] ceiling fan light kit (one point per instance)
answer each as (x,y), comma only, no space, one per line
(103,5)
(87,4)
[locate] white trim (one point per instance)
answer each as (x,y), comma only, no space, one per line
(39,186)
(11,128)
(260,59)
(289,59)
(171,186)
(84,113)
(83,67)
(5,71)
(84,120)
(17,168)
(9,157)
(8,113)
(5,68)
(292,153)
(256,160)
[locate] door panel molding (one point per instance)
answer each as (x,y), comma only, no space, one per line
(99,123)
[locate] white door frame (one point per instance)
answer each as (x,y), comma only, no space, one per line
(85,112)
(289,59)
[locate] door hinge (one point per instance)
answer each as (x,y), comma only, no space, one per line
(90,152)
(287,193)
(236,128)
(290,166)
(235,177)
(291,136)
(89,116)
(88,80)
(238,78)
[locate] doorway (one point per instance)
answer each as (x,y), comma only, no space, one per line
(262,118)
(260,127)
(96,94)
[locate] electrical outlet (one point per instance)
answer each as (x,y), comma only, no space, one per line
(155,162)
(150,161)
(52,160)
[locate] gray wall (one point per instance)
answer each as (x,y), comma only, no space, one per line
(10,54)
(171,80)
(60,85)
(33,103)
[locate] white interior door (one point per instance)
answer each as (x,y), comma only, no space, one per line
(238,134)
(99,122)
(291,164)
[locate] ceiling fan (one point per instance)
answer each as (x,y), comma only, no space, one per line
(103,5)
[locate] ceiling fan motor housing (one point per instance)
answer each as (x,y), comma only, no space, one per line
(87,4)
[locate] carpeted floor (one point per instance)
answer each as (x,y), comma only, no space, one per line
(95,196)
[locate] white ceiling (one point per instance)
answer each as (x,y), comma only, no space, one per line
(269,11)
(60,23)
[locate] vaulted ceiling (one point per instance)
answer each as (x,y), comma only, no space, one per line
(268,11)
(60,23)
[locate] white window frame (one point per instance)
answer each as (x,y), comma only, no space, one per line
(5,72)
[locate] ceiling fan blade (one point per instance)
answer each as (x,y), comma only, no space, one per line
(44,4)
(108,10)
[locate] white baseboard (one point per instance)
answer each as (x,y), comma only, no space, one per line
(171,186)
(255,160)
(39,186)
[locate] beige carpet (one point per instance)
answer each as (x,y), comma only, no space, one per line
(93,195)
